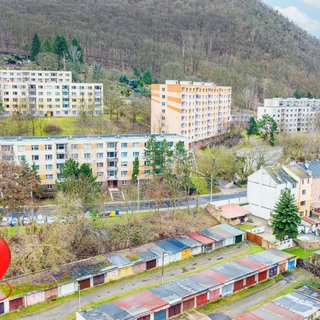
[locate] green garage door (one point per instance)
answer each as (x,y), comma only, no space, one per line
(239,238)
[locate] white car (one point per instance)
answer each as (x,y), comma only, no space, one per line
(40,219)
(5,221)
(26,221)
(50,219)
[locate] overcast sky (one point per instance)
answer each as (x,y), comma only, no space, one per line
(305,13)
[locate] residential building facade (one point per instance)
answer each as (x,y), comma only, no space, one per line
(48,93)
(111,157)
(199,111)
(292,115)
(266,185)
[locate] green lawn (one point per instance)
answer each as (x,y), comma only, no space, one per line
(200,183)
(244,227)
(300,252)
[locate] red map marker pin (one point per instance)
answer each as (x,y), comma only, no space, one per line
(5,257)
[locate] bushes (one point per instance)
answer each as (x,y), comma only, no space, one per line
(52,129)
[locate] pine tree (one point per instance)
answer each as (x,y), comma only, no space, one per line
(286,218)
(75,43)
(135,171)
(137,73)
(46,46)
(35,47)
(253,126)
(60,46)
(147,77)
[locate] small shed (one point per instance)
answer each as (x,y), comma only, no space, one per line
(67,288)
(309,225)
(173,251)
(123,264)
(238,234)
(195,246)
(185,249)
(233,214)
(207,243)
(219,240)
(151,259)
(229,238)
(34,298)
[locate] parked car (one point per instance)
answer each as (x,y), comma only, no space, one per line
(40,219)
(14,221)
(112,213)
(26,221)
(50,219)
(5,221)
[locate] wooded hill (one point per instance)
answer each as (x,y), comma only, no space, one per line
(242,43)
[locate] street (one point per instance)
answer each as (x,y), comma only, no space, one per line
(152,278)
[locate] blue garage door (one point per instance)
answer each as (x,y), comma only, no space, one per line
(291,264)
(1,307)
(226,289)
(161,315)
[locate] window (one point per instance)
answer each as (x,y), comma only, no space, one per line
(99,145)
(124,154)
(35,157)
(87,155)
(48,157)
(304,191)
(60,146)
(135,154)
(99,164)
(22,158)
(147,172)
(124,145)
(36,167)
(100,174)
(48,146)
(74,156)
(49,166)
(49,187)
(74,146)
(49,176)
(87,146)
(21,148)
(60,156)
(99,155)
(59,165)
(170,143)
(110,145)
(124,173)
(124,164)
(124,182)
(147,163)
(34,147)
(136,144)
(302,203)
(111,154)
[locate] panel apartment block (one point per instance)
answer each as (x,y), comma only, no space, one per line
(292,115)
(110,156)
(48,93)
(199,111)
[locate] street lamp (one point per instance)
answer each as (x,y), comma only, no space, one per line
(162,268)
(138,195)
(79,303)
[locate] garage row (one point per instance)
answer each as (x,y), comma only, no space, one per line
(173,298)
(115,266)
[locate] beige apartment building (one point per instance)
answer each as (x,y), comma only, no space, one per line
(199,111)
(110,156)
(48,93)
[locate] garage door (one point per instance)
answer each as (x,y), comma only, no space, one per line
(291,264)
(273,271)
(98,279)
(227,289)
(238,285)
(283,267)
(151,264)
(214,295)
(16,304)
(250,281)
(144,318)
(262,276)
(239,238)
(174,310)
(202,299)
(189,304)
(208,248)
(84,284)
(160,315)
(1,307)
(51,293)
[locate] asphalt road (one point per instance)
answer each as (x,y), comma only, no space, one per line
(149,278)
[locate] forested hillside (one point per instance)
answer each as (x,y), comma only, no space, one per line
(242,43)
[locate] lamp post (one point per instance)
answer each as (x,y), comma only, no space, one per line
(138,195)
(79,302)
(211,182)
(162,269)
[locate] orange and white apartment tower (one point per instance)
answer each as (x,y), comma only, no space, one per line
(199,111)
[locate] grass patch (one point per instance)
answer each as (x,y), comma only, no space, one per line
(200,183)
(26,287)
(301,252)
(244,227)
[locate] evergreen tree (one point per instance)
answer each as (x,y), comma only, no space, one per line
(46,46)
(75,43)
(124,78)
(137,73)
(135,171)
(286,218)
(268,128)
(60,46)
(35,47)
(147,77)
(253,127)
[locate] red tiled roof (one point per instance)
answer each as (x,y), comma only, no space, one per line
(230,211)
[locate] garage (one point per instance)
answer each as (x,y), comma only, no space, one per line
(174,310)
(238,285)
(214,295)
(160,315)
(151,264)
(15,304)
(202,299)
(282,267)
(239,238)
(250,280)
(51,293)
(189,304)
(208,248)
(66,289)
(98,279)
(1,307)
(34,298)
(291,264)
(273,271)
(262,276)
(227,289)
(84,284)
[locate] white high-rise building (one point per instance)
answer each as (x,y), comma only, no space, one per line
(292,115)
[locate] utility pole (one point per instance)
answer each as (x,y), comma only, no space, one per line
(79,297)
(138,200)
(162,269)
(211,182)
